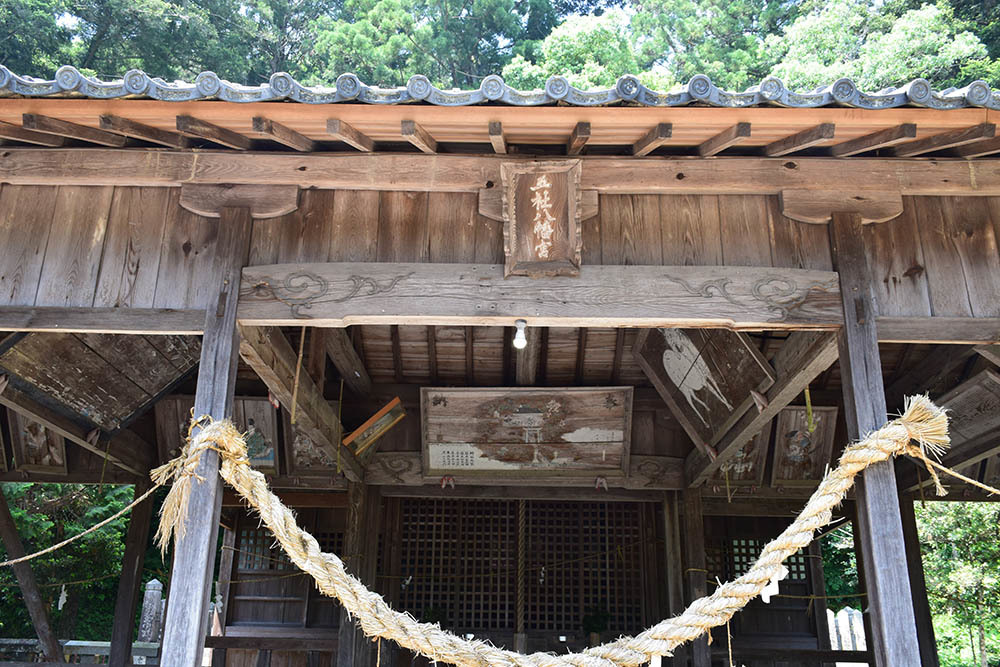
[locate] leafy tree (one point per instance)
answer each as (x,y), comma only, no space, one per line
(840,569)
(32,41)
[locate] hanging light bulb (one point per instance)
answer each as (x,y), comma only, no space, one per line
(520,340)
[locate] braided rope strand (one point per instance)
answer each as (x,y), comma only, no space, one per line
(922,422)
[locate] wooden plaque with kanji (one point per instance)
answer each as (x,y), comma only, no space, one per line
(541,213)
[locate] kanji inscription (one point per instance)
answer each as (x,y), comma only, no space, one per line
(541,211)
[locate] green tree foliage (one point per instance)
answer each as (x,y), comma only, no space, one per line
(49,513)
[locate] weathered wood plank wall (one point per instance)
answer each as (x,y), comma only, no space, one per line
(135,247)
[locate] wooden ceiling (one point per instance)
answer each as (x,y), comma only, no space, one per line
(832,131)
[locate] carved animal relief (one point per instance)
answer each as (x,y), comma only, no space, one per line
(541,212)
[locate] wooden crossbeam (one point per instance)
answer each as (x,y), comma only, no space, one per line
(282,134)
(800,140)
(653,139)
(890,136)
(344,131)
(18,133)
(802,357)
(55,319)
(343,355)
(195,127)
(945,140)
(62,128)
(977,149)
(468,173)
(155,135)
(267,351)
(990,352)
(723,140)
(578,138)
(603,296)
(497,137)
(126,450)
(418,136)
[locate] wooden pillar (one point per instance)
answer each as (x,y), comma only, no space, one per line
(918,586)
(359,558)
(130,582)
(194,554)
(894,640)
(29,588)
(674,566)
(695,574)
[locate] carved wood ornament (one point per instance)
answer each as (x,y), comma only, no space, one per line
(542,211)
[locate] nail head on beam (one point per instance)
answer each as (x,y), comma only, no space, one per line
(18,133)
(418,136)
(344,131)
(800,140)
(890,136)
(937,142)
(496,137)
(655,138)
(282,134)
(69,130)
(154,135)
(194,127)
(578,138)
(723,140)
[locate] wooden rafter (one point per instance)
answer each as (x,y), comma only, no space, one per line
(800,140)
(731,136)
(432,357)
(201,129)
(526,361)
(418,136)
(62,128)
(470,356)
(803,356)
(578,138)
(497,137)
(18,133)
(271,356)
(890,136)
(283,134)
(397,353)
(581,354)
(345,357)
(945,140)
(653,139)
(344,131)
(125,450)
(155,135)
(990,352)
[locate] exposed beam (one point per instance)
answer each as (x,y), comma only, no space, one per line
(283,134)
(125,450)
(62,128)
(803,356)
(194,127)
(268,352)
(890,136)
(814,206)
(432,356)
(977,149)
(653,139)
(18,133)
(616,363)
(578,138)
(343,355)
(945,140)
(468,173)
(605,296)
(418,136)
(581,354)
(29,587)
(990,352)
(154,135)
(970,330)
(470,356)
(928,374)
(102,320)
(497,137)
(344,131)
(263,201)
(397,353)
(800,140)
(723,140)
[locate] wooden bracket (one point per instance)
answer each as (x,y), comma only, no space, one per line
(817,206)
(264,201)
(491,203)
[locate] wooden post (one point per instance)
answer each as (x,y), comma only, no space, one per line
(695,574)
(29,588)
(352,648)
(130,583)
(194,554)
(918,586)
(894,640)
(673,566)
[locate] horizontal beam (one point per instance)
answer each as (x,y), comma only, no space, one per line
(53,319)
(464,173)
(342,294)
(964,330)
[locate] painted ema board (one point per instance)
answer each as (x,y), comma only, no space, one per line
(705,376)
(570,430)
(541,213)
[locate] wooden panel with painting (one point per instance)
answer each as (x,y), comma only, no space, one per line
(802,450)
(36,448)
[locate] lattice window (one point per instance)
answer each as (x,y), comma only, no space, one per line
(257,551)
(798,569)
(459,564)
(732,557)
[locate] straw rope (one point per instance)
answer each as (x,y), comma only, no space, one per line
(922,422)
